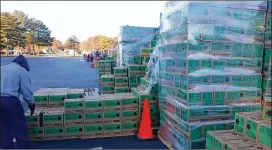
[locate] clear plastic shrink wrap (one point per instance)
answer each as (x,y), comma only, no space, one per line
(208,66)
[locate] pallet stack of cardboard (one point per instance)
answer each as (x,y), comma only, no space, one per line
(251,131)
(107,84)
(83,115)
(104,67)
(267,65)
(209,67)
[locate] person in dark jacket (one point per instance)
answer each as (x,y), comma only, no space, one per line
(15,81)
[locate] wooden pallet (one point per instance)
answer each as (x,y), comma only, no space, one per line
(165,141)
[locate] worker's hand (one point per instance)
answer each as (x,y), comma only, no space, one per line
(32,108)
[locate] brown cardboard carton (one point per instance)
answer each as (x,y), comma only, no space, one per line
(53,133)
(36,134)
(74,105)
(57,98)
(53,117)
(74,132)
(93,131)
(71,119)
(93,104)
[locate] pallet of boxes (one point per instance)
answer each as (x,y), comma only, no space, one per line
(104,67)
(251,131)
(209,68)
(59,114)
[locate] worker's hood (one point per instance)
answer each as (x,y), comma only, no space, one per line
(21,60)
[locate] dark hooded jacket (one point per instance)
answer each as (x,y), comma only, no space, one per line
(21,60)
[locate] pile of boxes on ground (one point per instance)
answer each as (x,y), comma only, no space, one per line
(64,113)
(252,130)
(106,66)
(210,57)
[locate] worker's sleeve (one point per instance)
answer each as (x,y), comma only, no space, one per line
(25,87)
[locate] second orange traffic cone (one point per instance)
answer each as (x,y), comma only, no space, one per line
(145,130)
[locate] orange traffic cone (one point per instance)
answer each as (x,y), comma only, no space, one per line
(145,130)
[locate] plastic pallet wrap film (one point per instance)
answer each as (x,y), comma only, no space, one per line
(208,65)
(131,39)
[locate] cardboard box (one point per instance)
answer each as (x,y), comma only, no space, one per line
(107,89)
(112,130)
(241,119)
(73,105)
(251,129)
(121,81)
(130,103)
(112,102)
(35,120)
(130,116)
(142,96)
(121,89)
(264,133)
(41,99)
(93,131)
(145,51)
(57,99)
(112,117)
(91,118)
(129,128)
(74,132)
(53,133)
(75,93)
(53,117)
(120,71)
(93,104)
(36,134)
(71,119)
(107,80)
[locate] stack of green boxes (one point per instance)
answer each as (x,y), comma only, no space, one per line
(135,72)
(104,67)
(50,121)
(113,62)
(209,67)
(149,92)
(251,131)
(121,80)
(267,67)
(230,140)
(107,84)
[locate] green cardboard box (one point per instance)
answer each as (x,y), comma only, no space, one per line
(112,117)
(121,81)
(75,93)
(129,128)
(93,131)
(120,71)
(145,51)
(53,117)
(57,99)
(93,104)
(74,132)
(71,119)
(53,133)
(41,99)
(34,120)
(112,102)
(36,134)
(73,105)
(91,118)
(264,133)
(121,89)
(130,116)
(107,89)
(107,80)
(130,103)
(112,130)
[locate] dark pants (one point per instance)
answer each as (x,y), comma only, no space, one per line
(13,124)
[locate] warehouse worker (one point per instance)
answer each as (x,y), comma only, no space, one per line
(15,80)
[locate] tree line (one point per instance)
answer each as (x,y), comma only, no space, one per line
(19,30)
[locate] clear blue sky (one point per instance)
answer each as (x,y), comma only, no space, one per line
(88,18)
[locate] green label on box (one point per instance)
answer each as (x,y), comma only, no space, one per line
(219,98)
(207,98)
(129,101)
(196,133)
(248,50)
(93,128)
(194,98)
(251,129)
(54,131)
(76,95)
(199,112)
(258,50)
(52,118)
(93,104)
(73,104)
(107,79)
(57,99)
(208,128)
(236,80)
(112,103)
(129,114)
(120,70)
(73,116)
(247,81)
(239,123)
(121,89)
(93,116)
(110,127)
(133,79)
(209,140)
(121,80)
(74,129)
(41,99)
(237,49)
(206,64)
(130,125)
(193,65)
(234,95)
(108,115)
(220,127)
(32,119)
(35,131)
(107,88)
(265,133)
(221,79)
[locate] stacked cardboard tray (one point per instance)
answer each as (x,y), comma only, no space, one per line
(209,67)
(90,116)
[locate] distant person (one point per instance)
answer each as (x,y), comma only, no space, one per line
(91,57)
(15,81)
